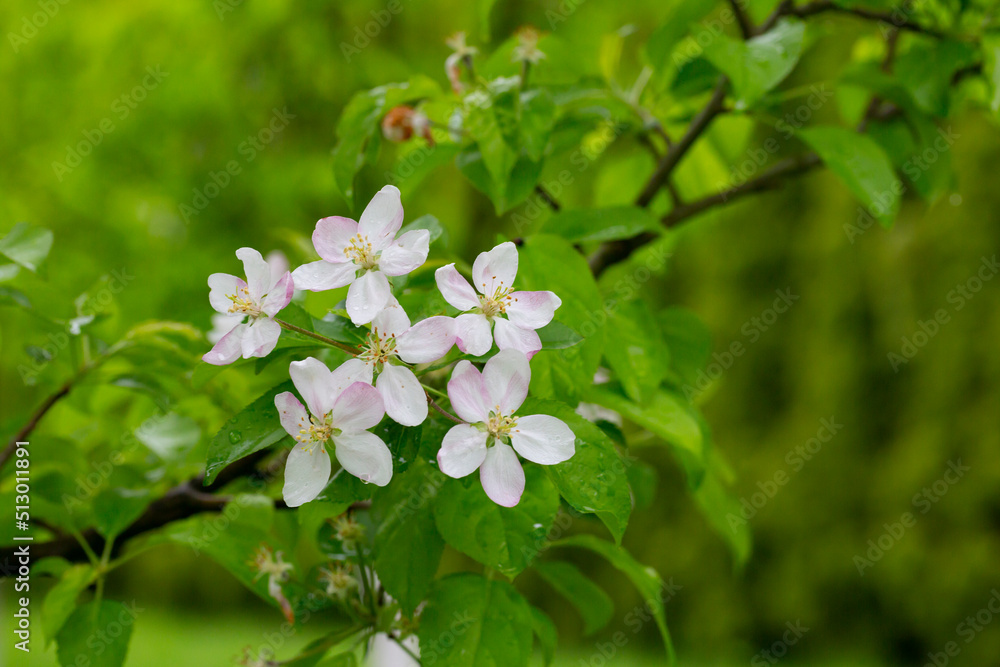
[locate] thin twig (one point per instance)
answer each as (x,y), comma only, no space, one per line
(896,18)
(746,26)
(547,197)
(350,349)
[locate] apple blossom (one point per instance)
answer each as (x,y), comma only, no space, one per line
(361,254)
(492,433)
(341,409)
(258,299)
(393,338)
(276,570)
(513,316)
(223,323)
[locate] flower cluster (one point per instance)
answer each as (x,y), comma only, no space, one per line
(339,408)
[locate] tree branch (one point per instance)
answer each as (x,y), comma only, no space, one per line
(746,26)
(896,18)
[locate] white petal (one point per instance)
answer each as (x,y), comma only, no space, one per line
(427,340)
(391,320)
(467,393)
(322,275)
(406,253)
(455,289)
(312,379)
(257,270)
(512,337)
(223,323)
(404,398)
(543,439)
(278,296)
(293,415)
(506,376)
(220,287)
(359,407)
(532,310)
(228,349)
(463,449)
(346,374)
(365,456)
(382,217)
(496,269)
(502,475)
(472,334)
(368,295)
(278,264)
(260,338)
(332,235)
(307,472)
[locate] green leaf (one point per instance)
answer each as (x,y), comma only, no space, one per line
(689,342)
(483,8)
(558,336)
(680,15)
(498,157)
(60,601)
(639,356)
(26,245)
(504,538)
(11,296)
(538,115)
(991,67)
(171,436)
(927,68)
(594,605)
(116,509)
(428,222)
(545,630)
(470,621)
(644,578)
(97,634)
(520,183)
(601,224)
(257,426)
(756,66)
(594,479)
(862,165)
(723,510)
(408,547)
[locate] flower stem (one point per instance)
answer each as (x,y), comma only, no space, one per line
(431,390)
(350,349)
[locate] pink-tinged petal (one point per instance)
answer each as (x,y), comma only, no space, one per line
(257,270)
(278,264)
(293,415)
(406,253)
(220,287)
(312,380)
(279,296)
(332,235)
(463,449)
(543,439)
(472,334)
(391,320)
(346,374)
(365,456)
(322,275)
(382,217)
(307,472)
(495,269)
(228,349)
(509,336)
(467,393)
(427,340)
(455,289)
(502,475)
(223,323)
(358,408)
(532,310)
(367,296)
(260,338)
(404,398)
(506,376)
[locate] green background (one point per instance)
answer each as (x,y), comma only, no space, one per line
(120,209)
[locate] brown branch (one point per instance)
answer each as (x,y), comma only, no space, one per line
(896,18)
(679,149)
(547,197)
(746,26)
(27,429)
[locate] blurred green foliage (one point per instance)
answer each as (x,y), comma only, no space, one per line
(173,99)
